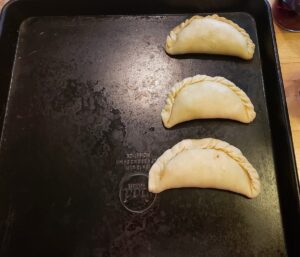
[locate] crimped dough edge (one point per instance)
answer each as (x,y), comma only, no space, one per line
(172,37)
(206,143)
(167,110)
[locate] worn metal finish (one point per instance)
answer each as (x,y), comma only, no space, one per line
(84,112)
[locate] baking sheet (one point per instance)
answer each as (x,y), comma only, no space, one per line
(83,116)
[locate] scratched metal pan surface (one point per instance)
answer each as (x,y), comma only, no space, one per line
(82,128)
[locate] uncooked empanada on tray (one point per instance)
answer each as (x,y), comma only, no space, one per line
(210,35)
(205,97)
(204,163)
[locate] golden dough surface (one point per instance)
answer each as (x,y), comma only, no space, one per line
(210,35)
(205,97)
(204,163)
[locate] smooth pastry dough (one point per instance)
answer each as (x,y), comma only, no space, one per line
(204,163)
(204,97)
(211,35)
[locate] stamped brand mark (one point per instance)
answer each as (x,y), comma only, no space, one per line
(134,194)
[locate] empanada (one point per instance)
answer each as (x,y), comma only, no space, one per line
(204,163)
(210,35)
(204,97)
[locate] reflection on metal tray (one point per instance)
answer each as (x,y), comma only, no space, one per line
(82,127)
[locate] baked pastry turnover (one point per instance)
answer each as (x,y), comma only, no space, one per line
(205,97)
(210,35)
(204,163)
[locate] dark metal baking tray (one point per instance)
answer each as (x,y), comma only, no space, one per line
(82,86)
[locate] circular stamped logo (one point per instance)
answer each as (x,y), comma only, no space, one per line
(134,194)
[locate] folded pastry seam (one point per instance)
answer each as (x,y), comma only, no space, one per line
(156,171)
(172,37)
(167,110)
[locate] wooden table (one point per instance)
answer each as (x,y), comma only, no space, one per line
(288,44)
(289,54)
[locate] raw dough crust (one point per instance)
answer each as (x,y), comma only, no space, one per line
(204,163)
(211,35)
(205,97)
